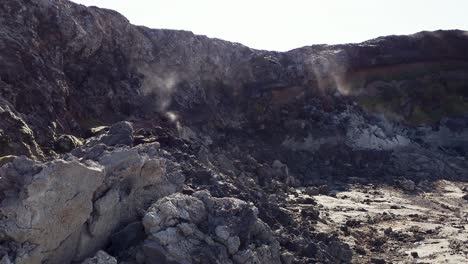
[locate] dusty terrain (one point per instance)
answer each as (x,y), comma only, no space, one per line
(385,224)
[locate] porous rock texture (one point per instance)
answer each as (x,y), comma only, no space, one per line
(161,146)
(66,209)
(101,258)
(201,228)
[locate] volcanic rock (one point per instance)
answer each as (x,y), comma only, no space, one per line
(101,258)
(65,209)
(161,145)
(201,228)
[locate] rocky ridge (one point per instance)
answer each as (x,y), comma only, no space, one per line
(162,146)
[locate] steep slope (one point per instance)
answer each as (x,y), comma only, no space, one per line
(66,67)
(250,126)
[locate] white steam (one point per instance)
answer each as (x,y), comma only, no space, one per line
(159,85)
(330,69)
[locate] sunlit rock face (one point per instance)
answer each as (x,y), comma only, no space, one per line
(112,121)
(66,67)
(181,226)
(65,210)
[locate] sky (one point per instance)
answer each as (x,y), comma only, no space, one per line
(283,25)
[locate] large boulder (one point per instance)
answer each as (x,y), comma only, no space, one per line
(48,212)
(205,229)
(119,134)
(66,143)
(66,210)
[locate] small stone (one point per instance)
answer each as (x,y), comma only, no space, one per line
(277,164)
(414,254)
(287,257)
(186,229)
(377,261)
(284,216)
(408,185)
(310,213)
(222,232)
(306,200)
(233,244)
(353,223)
(323,189)
(312,191)
(388,231)
(119,134)
(101,257)
(96,130)
(360,250)
(66,143)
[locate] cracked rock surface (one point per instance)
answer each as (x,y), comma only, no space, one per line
(101,257)
(201,228)
(66,209)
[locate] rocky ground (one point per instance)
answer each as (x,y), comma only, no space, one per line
(388,224)
(124,144)
(147,203)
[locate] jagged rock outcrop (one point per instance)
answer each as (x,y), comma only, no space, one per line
(97,198)
(65,210)
(16,137)
(204,229)
(47,215)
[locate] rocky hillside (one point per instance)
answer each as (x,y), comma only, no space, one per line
(161,146)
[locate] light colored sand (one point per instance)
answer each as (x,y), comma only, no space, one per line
(438,219)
